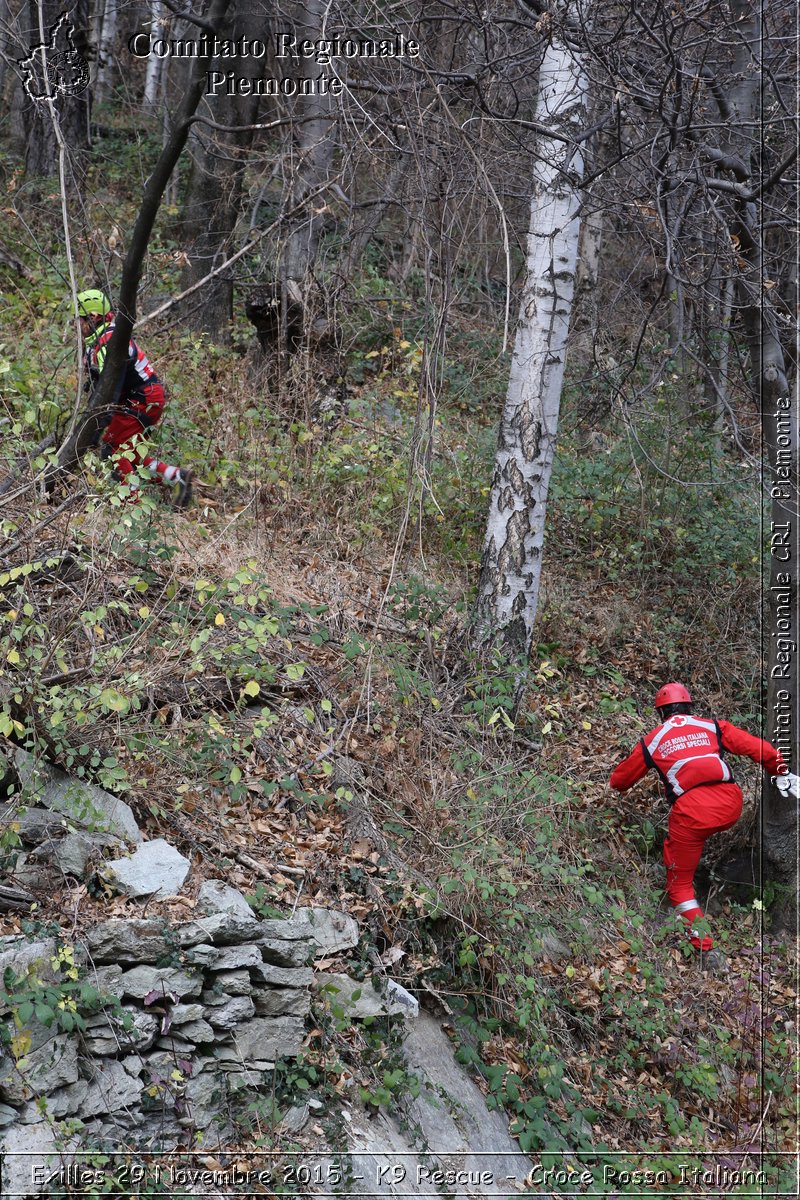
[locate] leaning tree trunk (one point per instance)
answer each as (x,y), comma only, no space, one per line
(508,589)
(106,394)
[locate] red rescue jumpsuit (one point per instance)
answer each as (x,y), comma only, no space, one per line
(141,405)
(688,754)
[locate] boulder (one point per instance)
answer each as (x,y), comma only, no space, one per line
(235,983)
(33,824)
(360,998)
(215,896)
(199,1032)
(181,1013)
(83,803)
(154,867)
(134,941)
(65,1102)
(106,1032)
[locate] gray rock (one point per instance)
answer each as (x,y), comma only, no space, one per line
(181,1013)
(112,1088)
(154,867)
(225,958)
(217,897)
(268,1039)
(294,929)
(7,1115)
(283,976)
(74,852)
(331,931)
(205,1095)
(134,941)
(199,1032)
(219,929)
(286,953)
(231,1014)
(23,956)
(83,803)
(177,1045)
(276,1002)
(235,983)
(551,948)
(140,980)
(50,1066)
(106,1032)
(360,998)
(294,1119)
(64,1102)
(23,1145)
(33,824)
(107,980)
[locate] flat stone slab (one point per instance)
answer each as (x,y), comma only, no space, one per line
(268,1039)
(22,956)
(83,803)
(331,931)
(299,977)
(359,998)
(154,867)
(219,929)
(225,958)
(53,1065)
(113,1088)
(140,981)
(276,1002)
(234,1012)
(135,941)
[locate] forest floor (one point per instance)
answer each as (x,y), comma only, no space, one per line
(280,684)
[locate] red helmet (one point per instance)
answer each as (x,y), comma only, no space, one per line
(672,693)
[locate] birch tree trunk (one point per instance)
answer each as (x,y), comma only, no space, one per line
(105,37)
(511,564)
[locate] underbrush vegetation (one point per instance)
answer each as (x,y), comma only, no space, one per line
(218,667)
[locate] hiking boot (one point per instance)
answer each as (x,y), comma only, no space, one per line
(183,496)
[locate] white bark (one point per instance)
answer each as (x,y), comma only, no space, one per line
(155,65)
(512,554)
(106,35)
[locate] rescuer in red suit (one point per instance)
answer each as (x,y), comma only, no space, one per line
(688,752)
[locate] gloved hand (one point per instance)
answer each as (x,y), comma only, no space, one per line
(788,785)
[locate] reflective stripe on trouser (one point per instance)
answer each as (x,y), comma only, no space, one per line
(695,816)
(123,434)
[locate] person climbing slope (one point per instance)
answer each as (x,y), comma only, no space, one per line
(139,407)
(688,753)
